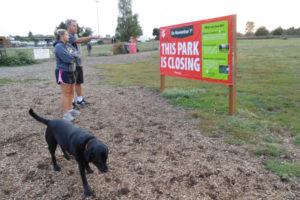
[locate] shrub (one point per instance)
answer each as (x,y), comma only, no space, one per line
(119,49)
(19,59)
(100,42)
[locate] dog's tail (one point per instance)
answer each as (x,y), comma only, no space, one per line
(38,118)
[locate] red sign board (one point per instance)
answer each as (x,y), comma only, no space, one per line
(202,50)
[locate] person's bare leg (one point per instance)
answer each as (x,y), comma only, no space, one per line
(80,99)
(64,97)
(71,96)
(78,90)
(67,96)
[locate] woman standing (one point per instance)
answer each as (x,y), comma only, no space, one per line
(65,71)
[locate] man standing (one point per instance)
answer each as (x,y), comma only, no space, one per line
(72,28)
(89,48)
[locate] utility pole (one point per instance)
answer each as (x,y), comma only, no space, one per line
(97,4)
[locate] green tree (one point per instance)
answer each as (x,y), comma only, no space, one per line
(292,31)
(62,25)
(85,32)
(19,38)
(31,37)
(277,31)
(156,33)
(261,31)
(128,24)
(81,31)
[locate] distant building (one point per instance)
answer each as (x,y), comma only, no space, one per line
(4,42)
(44,40)
(143,39)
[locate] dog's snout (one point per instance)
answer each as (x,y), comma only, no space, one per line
(103,170)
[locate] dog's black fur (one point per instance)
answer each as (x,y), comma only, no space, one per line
(84,146)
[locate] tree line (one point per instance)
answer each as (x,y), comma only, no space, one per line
(263,31)
(249,31)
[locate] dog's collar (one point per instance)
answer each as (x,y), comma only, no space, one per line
(86,145)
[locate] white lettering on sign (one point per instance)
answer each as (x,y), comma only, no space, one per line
(177,56)
(181,63)
(183,48)
(168,48)
(163,62)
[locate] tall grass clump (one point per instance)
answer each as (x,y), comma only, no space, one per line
(181,93)
(284,169)
(18,59)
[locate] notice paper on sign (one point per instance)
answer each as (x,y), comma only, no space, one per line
(41,53)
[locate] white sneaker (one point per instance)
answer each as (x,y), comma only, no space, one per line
(74,112)
(68,117)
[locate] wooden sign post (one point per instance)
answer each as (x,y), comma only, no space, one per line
(162,83)
(232,88)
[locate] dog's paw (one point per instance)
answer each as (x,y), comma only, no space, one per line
(90,171)
(56,168)
(67,157)
(88,192)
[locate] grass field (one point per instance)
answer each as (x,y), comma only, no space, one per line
(268,97)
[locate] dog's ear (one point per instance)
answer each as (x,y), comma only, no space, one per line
(105,153)
(88,154)
(106,150)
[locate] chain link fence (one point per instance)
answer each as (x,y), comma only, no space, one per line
(9,49)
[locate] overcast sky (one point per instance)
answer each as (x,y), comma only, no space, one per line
(18,17)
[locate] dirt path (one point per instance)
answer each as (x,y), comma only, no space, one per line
(156,151)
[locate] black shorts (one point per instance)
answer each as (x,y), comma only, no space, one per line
(79,75)
(64,77)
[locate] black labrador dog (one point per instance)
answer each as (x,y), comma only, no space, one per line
(84,146)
